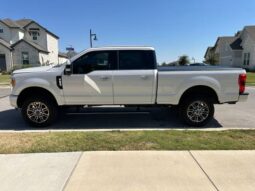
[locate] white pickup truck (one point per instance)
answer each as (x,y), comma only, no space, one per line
(124,76)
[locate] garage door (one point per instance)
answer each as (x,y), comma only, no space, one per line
(2,62)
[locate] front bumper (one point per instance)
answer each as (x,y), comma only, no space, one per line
(243,97)
(13,100)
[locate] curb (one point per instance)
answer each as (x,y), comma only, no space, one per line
(5,86)
(122,130)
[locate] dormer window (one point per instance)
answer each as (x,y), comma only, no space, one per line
(34,36)
(34,33)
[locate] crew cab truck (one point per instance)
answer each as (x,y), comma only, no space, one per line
(126,76)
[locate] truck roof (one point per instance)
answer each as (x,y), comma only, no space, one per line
(112,48)
(123,48)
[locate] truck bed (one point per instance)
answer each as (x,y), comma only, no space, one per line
(173,81)
(196,68)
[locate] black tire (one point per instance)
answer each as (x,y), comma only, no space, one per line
(49,107)
(201,115)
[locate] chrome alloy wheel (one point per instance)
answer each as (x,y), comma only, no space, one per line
(38,112)
(198,111)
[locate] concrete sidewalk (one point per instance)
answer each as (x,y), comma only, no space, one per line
(4,91)
(138,170)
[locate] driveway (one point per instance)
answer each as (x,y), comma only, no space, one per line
(227,116)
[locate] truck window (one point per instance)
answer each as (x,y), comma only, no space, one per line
(100,60)
(136,60)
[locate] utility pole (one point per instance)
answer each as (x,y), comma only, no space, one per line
(92,37)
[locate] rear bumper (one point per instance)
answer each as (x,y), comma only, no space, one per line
(13,100)
(243,97)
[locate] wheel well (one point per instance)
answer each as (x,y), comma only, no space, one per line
(200,90)
(32,92)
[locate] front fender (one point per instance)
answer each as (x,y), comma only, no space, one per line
(40,83)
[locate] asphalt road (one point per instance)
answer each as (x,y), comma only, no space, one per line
(241,115)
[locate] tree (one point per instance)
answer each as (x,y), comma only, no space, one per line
(211,59)
(71,53)
(183,60)
(164,64)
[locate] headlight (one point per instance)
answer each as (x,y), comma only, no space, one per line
(13,82)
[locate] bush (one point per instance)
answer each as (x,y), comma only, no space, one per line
(5,73)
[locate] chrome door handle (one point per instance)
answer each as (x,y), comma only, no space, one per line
(104,77)
(144,77)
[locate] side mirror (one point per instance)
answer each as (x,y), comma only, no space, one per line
(68,68)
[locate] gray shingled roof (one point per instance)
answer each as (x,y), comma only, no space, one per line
(23,23)
(36,46)
(233,41)
(10,23)
(6,44)
(236,44)
(251,31)
(208,50)
(226,39)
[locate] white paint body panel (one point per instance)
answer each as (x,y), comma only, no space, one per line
(137,87)
(133,86)
(172,84)
(93,88)
(43,77)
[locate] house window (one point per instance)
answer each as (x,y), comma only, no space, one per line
(226,47)
(34,34)
(246,61)
(1,30)
(25,58)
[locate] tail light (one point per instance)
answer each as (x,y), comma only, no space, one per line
(241,82)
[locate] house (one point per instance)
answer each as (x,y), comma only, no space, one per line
(248,45)
(26,42)
(62,57)
(235,51)
(210,52)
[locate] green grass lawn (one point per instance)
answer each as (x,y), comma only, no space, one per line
(251,78)
(133,140)
(4,79)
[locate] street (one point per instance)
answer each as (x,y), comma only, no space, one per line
(227,116)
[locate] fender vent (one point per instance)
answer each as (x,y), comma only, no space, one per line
(59,82)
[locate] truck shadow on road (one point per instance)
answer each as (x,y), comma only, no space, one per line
(105,118)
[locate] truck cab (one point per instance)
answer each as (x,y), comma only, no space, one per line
(112,76)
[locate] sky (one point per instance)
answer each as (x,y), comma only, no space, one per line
(172,27)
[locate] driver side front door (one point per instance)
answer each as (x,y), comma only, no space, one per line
(91,79)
